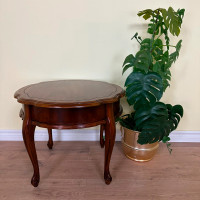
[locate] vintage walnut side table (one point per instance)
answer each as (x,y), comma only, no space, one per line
(69,104)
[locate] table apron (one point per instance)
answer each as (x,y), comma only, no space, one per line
(71,118)
(69,126)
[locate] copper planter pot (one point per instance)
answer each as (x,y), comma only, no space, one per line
(135,151)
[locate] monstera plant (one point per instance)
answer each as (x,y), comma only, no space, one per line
(150,77)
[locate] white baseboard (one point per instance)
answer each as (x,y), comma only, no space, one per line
(89,135)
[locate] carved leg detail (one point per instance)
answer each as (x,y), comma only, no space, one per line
(102,142)
(28,136)
(110,132)
(50,142)
(21,114)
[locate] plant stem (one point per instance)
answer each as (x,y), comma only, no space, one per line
(156,39)
(138,40)
(163,46)
(159,36)
(169,45)
(168,147)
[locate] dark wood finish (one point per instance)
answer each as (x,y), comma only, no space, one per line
(28,130)
(69,105)
(102,141)
(50,142)
(69,94)
(109,141)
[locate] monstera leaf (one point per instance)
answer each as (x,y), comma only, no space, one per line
(173,56)
(148,112)
(148,13)
(146,44)
(143,60)
(172,20)
(140,62)
(128,62)
(175,113)
(164,73)
(155,48)
(160,124)
(154,130)
(153,28)
(143,88)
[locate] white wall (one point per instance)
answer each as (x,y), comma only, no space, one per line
(64,39)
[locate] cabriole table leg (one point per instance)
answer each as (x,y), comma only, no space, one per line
(28,136)
(110,132)
(50,142)
(102,142)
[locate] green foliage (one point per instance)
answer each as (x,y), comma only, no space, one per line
(143,88)
(146,112)
(173,57)
(158,122)
(148,13)
(154,130)
(161,68)
(166,139)
(142,60)
(174,114)
(151,76)
(128,62)
(173,20)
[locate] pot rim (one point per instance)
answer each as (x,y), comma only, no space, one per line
(129,129)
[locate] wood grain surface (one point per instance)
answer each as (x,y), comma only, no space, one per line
(69,93)
(74,171)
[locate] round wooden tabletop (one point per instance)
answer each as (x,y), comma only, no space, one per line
(69,94)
